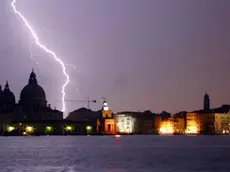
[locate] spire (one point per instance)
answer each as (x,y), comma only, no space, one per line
(32,79)
(206,103)
(7,85)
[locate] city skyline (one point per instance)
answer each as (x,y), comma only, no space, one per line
(147,63)
(40,94)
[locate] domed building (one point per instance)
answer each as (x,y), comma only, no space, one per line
(32,95)
(7,99)
(32,105)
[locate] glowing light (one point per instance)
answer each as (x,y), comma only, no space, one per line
(117,136)
(31,53)
(88,128)
(125,123)
(49,128)
(225,132)
(166,128)
(106,108)
(29,129)
(191,130)
(69,128)
(42,46)
(10,128)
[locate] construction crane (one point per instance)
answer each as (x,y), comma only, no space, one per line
(80,101)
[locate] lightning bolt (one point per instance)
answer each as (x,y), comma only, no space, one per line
(31,53)
(42,46)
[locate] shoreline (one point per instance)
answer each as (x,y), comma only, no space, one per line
(114,135)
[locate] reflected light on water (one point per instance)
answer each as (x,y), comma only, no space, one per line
(117,136)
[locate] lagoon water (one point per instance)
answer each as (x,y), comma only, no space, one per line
(111,154)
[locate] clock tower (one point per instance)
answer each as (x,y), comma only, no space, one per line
(106,112)
(110,124)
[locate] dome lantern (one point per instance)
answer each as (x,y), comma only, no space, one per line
(33,94)
(33,79)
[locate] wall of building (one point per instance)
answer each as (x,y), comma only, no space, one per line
(180,125)
(221,123)
(125,123)
(193,123)
(50,128)
(167,126)
(110,126)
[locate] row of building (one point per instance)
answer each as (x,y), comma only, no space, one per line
(31,115)
(205,121)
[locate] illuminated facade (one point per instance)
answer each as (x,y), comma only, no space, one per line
(109,124)
(106,112)
(192,121)
(225,123)
(180,122)
(196,123)
(157,124)
(219,123)
(167,126)
(125,123)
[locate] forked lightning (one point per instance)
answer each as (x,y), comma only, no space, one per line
(42,46)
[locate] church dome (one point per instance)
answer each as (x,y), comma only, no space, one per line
(33,94)
(7,97)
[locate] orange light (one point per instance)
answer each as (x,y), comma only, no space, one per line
(191,130)
(166,128)
(117,136)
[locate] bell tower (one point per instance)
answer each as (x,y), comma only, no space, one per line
(206,103)
(106,112)
(109,124)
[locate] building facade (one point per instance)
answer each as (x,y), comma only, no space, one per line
(196,123)
(108,123)
(167,126)
(218,123)
(180,122)
(125,123)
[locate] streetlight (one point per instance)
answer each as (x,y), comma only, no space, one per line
(10,128)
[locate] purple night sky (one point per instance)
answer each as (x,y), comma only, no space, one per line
(140,54)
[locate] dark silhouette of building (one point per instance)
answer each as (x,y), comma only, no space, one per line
(206,103)
(84,114)
(7,99)
(164,115)
(33,95)
(32,105)
(222,109)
